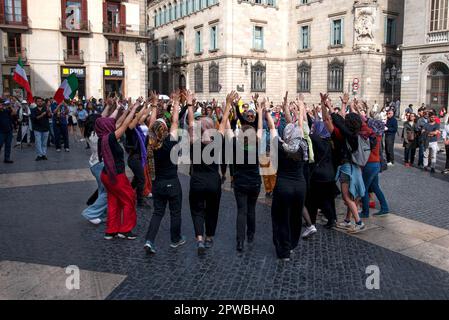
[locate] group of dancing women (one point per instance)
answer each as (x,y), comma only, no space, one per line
(312,151)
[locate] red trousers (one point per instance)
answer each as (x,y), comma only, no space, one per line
(121,204)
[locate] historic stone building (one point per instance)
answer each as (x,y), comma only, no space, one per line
(269,46)
(425,61)
(103,41)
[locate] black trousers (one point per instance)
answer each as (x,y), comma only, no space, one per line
(286,214)
(389,147)
(138,182)
(166,191)
(246,198)
(204,198)
(61,132)
(409,153)
(321,195)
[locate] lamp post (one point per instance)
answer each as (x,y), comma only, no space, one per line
(164,62)
(392,75)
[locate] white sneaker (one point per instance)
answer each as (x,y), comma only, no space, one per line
(344,225)
(390,164)
(357,228)
(150,195)
(309,231)
(82,140)
(95,221)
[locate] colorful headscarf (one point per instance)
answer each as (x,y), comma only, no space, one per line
(292,138)
(377,126)
(104,127)
(157,134)
(319,128)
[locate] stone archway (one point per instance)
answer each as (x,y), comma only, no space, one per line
(437,88)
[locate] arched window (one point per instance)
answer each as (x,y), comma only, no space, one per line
(214,82)
(304,77)
(438,86)
(165,14)
(336,76)
(170,12)
(180,45)
(258,77)
(198,78)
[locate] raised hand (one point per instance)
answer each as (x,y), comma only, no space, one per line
(345,98)
(255,97)
(285,98)
(154,98)
(189,97)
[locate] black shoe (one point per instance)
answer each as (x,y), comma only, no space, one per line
(201,248)
(39,158)
(250,238)
(239,246)
(330,225)
(209,243)
(44,158)
(110,236)
(127,236)
(8,161)
(432,170)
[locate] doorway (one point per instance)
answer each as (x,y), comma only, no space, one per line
(113,88)
(438,86)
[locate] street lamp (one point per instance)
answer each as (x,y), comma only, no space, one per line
(164,62)
(392,75)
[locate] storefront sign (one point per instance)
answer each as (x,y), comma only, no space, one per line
(67,71)
(114,73)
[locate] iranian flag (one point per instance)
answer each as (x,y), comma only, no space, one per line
(20,77)
(67,90)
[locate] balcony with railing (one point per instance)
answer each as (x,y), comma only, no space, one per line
(438,37)
(12,54)
(73,56)
(15,22)
(112,29)
(116,60)
(84,27)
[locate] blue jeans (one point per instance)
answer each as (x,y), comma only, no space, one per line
(371,180)
(98,209)
(61,132)
(6,139)
(41,142)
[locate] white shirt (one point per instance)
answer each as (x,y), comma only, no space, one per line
(93,143)
(446,132)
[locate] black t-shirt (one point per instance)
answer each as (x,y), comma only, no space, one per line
(246,172)
(132,144)
(323,168)
(5,121)
(42,124)
(289,168)
(202,168)
(164,167)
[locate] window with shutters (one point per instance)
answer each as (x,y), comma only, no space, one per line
(258,77)
(335,76)
(304,77)
(198,73)
(214,85)
(13,12)
(114,17)
(439,10)
(14,45)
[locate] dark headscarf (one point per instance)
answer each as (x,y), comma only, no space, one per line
(104,127)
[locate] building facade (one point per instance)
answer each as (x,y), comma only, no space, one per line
(426,54)
(103,41)
(273,46)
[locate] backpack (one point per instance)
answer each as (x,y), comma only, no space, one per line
(361,155)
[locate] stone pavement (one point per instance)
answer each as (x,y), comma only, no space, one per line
(42,232)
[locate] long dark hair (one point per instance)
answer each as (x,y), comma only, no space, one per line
(89,126)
